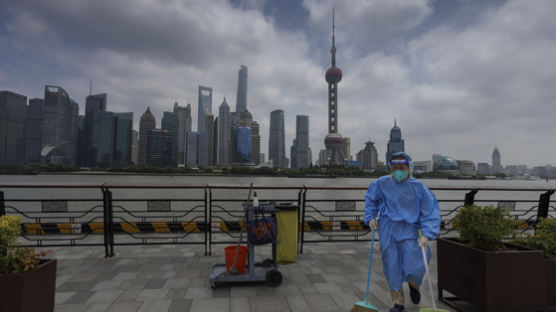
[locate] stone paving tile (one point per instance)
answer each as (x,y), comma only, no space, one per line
(62,297)
(345,300)
(134,284)
(175,293)
(240,304)
(221,292)
(316,278)
(77,286)
(71,308)
(298,303)
(176,283)
(104,296)
(243,291)
(129,295)
(198,292)
(152,294)
(79,297)
(269,304)
(129,306)
(180,305)
(99,307)
(155,306)
(322,303)
(155,283)
(107,285)
(210,304)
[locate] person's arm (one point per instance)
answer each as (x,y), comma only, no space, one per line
(372,200)
(429,217)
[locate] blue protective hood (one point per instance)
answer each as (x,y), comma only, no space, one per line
(404,155)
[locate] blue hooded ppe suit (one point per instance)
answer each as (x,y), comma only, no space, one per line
(404,208)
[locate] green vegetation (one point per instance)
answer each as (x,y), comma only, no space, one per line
(544,238)
(15,260)
(484,227)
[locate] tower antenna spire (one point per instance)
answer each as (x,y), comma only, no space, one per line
(333,50)
(91,87)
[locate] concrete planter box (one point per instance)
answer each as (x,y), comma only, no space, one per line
(511,280)
(29,292)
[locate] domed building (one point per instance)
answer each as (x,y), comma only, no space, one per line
(446,164)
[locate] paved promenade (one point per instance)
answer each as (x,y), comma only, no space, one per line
(326,277)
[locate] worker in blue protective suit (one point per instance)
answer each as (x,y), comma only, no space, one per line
(403,206)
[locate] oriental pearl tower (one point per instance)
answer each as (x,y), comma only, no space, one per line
(334,142)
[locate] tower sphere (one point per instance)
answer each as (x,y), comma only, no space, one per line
(333,75)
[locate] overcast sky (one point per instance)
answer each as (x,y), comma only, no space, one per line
(459,76)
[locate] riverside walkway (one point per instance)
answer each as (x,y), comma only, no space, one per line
(326,277)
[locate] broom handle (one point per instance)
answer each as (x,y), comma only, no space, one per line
(428,277)
(370,264)
(241,229)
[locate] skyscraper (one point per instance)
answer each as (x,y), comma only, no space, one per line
(334,142)
(241,99)
(368,156)
(300,149)
(192,149)
(224,127)
(105,147)
(184,126)
(60,119)
(205,103)
(255,142)
(209,124)
(396,143)
(94,104)
(159,148)
(202,149)
(170,122)
(13,111)
(123,139)
(33,133)
(146,123)
(134,145)
(496,161)
(276,141)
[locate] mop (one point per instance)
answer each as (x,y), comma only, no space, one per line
(365,306)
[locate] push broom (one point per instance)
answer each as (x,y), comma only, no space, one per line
(434,309)
(365,306)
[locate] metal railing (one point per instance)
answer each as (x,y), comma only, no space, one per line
(211,214)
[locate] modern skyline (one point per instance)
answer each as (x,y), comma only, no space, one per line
(443,69)
(13,112)
(300,151)
(224,128)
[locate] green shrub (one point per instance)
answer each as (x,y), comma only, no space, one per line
(14,260)
(483,227)
(544,239)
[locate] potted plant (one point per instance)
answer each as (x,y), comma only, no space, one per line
(485,271)
(27,281)
(545,239)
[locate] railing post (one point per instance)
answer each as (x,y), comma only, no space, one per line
(299,196)
(208,221)
(544,203)
(303,218)
(2,204)
(110,222)
(105,204)
(470,197)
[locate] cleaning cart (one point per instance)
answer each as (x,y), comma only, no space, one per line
(265,271)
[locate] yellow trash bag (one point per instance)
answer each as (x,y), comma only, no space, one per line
(286,249)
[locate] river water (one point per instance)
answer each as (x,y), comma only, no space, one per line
(11,193)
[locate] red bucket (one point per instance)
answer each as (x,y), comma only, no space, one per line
(241,257)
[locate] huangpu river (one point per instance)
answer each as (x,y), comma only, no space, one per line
(95,178)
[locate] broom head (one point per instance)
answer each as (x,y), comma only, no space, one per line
(433,310)
(364,306)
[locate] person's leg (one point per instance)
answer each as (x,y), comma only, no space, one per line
(413,267)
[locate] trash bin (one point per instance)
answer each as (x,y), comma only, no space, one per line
(286,221)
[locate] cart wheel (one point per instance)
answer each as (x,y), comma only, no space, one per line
(273,278)
(213,285)
(267,263)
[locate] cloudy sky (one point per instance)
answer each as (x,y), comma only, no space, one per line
(459,76)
